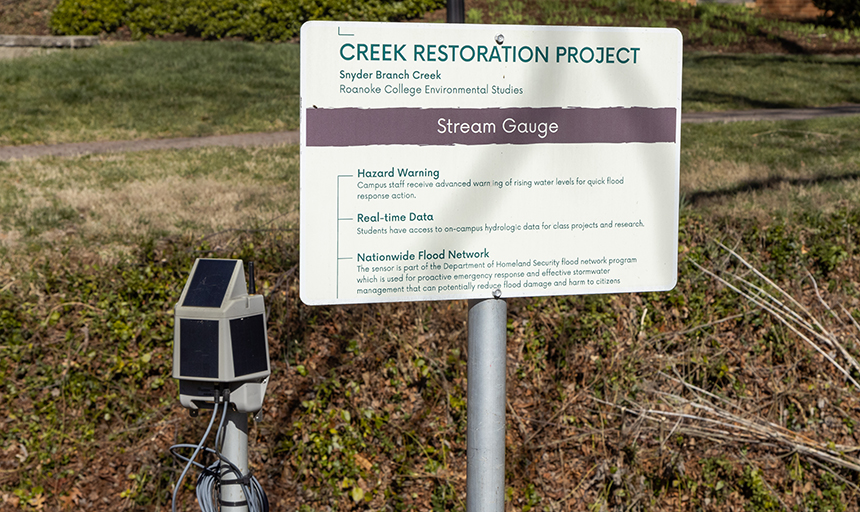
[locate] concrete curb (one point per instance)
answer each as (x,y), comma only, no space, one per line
(49,41)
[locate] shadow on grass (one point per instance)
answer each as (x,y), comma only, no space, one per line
(697,198)
(753,59)
(769,81)
(733,58)
(788,45)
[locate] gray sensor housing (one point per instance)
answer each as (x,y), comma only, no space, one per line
(219,338)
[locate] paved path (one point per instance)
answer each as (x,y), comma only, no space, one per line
(771,114)
(275,138)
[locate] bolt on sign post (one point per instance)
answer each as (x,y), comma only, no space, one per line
(452,161)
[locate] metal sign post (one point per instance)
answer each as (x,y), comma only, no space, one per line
(485,405)
(485,420)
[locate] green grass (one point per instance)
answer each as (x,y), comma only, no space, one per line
(152,89)
(741,81)
(828,143)
(147,90)
(765,169)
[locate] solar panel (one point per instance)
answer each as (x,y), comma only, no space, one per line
(209,283)
(248,337)
(198,352)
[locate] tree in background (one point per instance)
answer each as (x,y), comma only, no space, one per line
(842,13)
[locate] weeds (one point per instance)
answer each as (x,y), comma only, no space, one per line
(698,398)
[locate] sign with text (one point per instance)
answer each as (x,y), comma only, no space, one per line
(455,161)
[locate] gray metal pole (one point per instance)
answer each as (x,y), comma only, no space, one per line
(235,449)
(485,421)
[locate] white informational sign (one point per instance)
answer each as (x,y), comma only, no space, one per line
(451,161)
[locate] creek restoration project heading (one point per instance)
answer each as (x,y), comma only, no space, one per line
(461,161)
(393,52)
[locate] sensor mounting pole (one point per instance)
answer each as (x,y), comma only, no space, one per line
(235,449)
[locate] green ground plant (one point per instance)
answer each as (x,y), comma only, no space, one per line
(693,399)
(253,20)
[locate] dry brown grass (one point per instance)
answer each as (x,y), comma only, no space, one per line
(714,176)
(743,190)
(119,200)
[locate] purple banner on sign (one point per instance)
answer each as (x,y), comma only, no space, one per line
(341,127)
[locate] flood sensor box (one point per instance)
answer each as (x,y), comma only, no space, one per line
(220,338)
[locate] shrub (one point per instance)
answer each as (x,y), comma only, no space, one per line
(87,17)
(257,20)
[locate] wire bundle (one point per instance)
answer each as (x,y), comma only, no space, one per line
(209,480)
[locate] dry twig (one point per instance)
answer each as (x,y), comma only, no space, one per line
(710,416)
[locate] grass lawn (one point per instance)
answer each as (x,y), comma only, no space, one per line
(768,170)
(714,81)
(115,202)
(157,89)
(148,90)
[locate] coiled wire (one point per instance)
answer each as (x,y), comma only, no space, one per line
(209,479)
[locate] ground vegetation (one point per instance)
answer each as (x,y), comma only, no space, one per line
(737,390)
